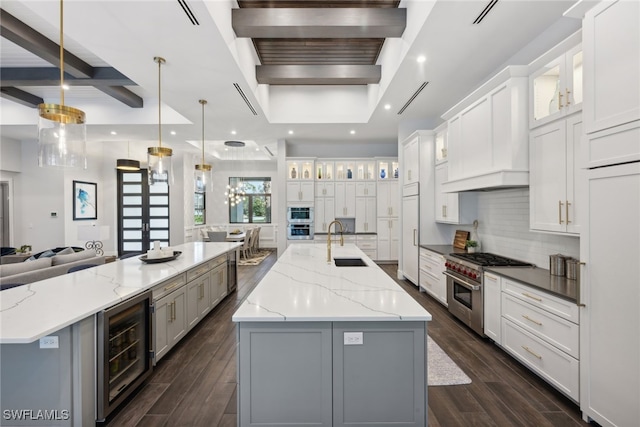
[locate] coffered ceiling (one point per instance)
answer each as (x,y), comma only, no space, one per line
(208,57)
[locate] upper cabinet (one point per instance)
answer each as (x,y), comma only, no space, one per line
(300,169)
(366,170)
(411,160)
(388,169)
(555,90)
(441,143)
(487,135)
(324,170)
(611,41)
(345,170)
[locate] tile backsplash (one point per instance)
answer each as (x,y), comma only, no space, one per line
(503,229)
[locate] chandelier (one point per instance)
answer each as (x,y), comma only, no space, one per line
(234,195)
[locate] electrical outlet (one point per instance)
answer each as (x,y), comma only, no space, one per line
(50,341)
(353,338)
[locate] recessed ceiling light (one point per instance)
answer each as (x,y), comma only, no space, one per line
(233,132)
(173,132)
(421,59)
(290,132)
(387,106)
(257,149)
(353,132)
(113,132)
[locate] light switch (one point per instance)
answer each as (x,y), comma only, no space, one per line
(353,338)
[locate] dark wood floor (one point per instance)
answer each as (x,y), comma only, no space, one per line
(195,383)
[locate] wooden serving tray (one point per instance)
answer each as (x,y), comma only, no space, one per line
(460,239)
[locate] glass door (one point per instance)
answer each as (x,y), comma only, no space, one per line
(143,212)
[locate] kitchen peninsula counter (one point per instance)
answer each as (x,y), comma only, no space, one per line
(331,345)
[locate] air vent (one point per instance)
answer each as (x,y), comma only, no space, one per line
(268,151)
(244,97)
(416,93)
(189,12)
(485,11)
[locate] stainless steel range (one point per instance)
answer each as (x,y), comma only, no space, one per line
(464,284)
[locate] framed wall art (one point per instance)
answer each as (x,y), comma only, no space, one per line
(85,200)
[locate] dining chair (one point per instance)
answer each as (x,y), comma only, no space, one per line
(217,236)
(255,240)
(246,244)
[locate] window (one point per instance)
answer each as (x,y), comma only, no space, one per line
(254,201)
(199,204)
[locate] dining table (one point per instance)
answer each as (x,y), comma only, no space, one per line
(238,237)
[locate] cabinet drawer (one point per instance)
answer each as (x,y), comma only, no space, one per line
(222,259)
(556,331)
(371,253)
(198,271)
(428,281)
(558,306)
(170,285)
(556,367)
(373,244)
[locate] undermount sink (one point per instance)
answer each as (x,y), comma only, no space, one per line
(350,262)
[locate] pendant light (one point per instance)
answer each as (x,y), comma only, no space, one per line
(234,195)
(128,164)
(62,132)
(159,158)
(203,170)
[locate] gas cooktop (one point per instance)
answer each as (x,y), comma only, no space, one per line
(487,259)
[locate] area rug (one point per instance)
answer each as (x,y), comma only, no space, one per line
(441,369)
(255,259)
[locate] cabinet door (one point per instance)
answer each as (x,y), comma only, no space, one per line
(307,191)
(610,320)
(410,236)
(475,139)
(365,215)
(611,43)
(411,167)
(387,196)
(492,307)
(547,177)
(218,283)
(178,326)
(293,191)
(162,317)
(384,239)
(345,199)
(198,300)
(575,175)
(446,204)
(365,189)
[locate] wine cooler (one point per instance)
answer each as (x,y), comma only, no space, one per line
(124,351)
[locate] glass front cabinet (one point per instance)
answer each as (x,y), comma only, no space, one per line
(324,171)
(300,170)
(388,169)
(556,89)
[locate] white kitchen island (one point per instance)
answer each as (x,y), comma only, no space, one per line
(58,386)
(324,345)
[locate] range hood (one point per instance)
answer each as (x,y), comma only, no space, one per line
(495,180)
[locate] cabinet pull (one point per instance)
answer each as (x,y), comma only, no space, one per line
(566,101)
(531,320)
(567,212)
(560,212)
(578,296)
(171,286)
(532,297)
(414,237)
(532,352)
(559,100)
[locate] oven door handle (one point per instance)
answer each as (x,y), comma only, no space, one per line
(467,285)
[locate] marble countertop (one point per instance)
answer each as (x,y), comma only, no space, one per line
(540,278)
(303,287)
(30,312)
(443,249)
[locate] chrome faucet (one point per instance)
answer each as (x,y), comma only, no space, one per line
(329,238)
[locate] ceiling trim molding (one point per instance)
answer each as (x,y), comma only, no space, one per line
(319,22)
(318,74)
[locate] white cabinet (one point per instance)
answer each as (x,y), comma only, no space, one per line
(410,237)
(555,90)
(487,135)
(324,213)
(170,321)
(345,199)
(366,170)
(452,208)
(365,215)
(388,199)
(610,319)
(325,189)
(345,169)
(300,169)
(611,43)
(441,143)
(388,230)
(324,170)
(388,169)
(432,280)
(365,189)
(198,299)
(300,191)
(542,332)
(555,176)
(219,284)
(411,160)
(368,244)
(492,294)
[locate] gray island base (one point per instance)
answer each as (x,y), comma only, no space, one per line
(328,346)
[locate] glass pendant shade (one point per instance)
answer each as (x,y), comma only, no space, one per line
(202,174)
(127,165)
(62,136)
(159,161)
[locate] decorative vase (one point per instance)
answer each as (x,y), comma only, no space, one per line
(306,174)
(395,173)
(471,249)
(382,173)
(319,173)
(349,174)
(294,174)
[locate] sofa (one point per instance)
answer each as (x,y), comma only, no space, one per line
(45,267)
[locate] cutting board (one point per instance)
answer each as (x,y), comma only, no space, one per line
(460,239)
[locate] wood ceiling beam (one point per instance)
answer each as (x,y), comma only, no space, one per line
(318,74)
(319,22)
(21,97)
(29,39)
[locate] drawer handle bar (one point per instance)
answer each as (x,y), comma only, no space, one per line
(173,285)
(532,297)
(532,352)
(531,320)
